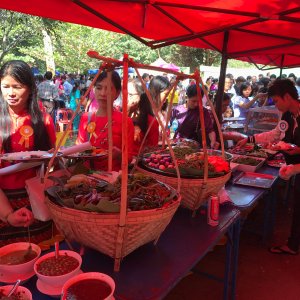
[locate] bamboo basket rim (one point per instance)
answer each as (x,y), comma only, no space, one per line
(221,177)
(173,175)
(109,214)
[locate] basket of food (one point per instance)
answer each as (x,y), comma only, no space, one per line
(194,189)
(87,209)
(196,173)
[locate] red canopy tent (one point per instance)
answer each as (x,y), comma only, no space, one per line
(255,31)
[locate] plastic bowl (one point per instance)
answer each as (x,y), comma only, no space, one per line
(90,275)
(58,281)
(22,292)
(21,269)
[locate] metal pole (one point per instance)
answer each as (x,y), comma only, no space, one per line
(220,92)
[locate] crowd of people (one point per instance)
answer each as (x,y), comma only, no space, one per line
(27,122)
(248,92)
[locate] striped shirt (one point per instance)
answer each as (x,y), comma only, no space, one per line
(47,90)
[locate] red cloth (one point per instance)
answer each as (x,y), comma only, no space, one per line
(152,136)
(17,180)
(100,136)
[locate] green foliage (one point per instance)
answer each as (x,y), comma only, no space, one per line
(233,63)
(15,29)
(21,38)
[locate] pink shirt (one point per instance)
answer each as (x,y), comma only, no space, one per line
(152,136)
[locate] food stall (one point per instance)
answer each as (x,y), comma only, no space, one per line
(118,215)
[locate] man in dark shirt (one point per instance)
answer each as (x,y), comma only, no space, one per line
(285,97)
(187,116)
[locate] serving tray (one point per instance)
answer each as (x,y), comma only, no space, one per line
(255,180)
(28,156)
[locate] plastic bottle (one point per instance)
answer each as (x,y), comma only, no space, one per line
(175,125)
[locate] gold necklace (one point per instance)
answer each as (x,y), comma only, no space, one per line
(15,118)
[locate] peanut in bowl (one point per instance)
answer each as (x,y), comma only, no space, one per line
(54,271)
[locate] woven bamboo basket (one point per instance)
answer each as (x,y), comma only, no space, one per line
(100,230)
(194,192)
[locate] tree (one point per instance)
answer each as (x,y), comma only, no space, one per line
(71,47)
(14,29)
(41,47)
(27,37)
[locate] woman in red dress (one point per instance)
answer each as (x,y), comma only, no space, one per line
(93,127)
(23,127)
(140,110)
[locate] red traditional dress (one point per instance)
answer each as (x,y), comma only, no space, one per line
(95,129)
(14,184)
(152,136)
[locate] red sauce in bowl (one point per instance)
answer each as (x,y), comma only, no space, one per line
(19,295)
(88,289)
(53,266)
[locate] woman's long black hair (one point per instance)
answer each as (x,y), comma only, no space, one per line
(21,72)
(157,85)
(145,109)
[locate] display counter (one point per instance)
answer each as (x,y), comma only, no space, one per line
(260,119)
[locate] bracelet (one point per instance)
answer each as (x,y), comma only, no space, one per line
(251,139)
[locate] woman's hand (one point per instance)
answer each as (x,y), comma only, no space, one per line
(137,134)
(286,172)
(242,142)
(21,217)
(261,96)
(293,151)
(216,146)
(116,154)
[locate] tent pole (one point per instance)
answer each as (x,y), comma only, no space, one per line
(220,92)
(281,65)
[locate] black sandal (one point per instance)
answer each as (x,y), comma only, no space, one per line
(282,250)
